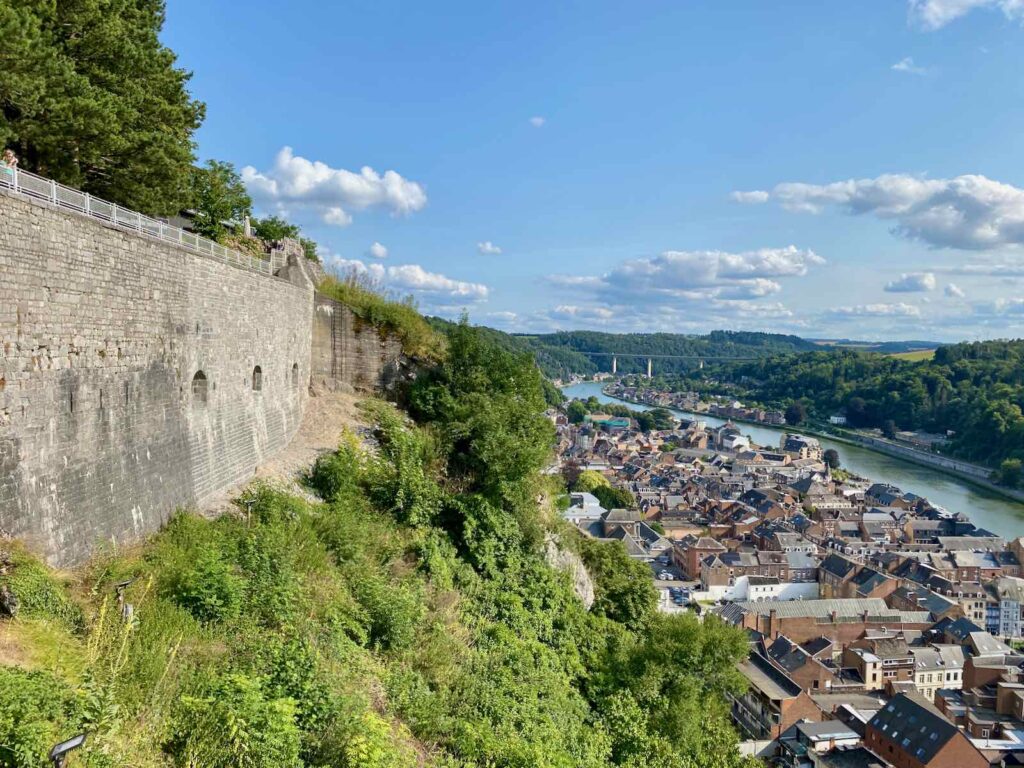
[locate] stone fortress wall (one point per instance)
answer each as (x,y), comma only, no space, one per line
(137,377)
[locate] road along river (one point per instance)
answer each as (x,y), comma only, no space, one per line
(986,510)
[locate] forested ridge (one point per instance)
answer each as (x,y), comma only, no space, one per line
(406,615)
(975,389)
(564,353)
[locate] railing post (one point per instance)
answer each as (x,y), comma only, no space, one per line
(14,181)
(53,192)
(88,204)
(113,212)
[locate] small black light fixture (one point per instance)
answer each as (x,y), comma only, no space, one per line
(59,754)
(127,609)
(249,504)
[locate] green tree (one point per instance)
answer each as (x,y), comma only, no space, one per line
(795,414)
(614,498)
(576,411)
(91,98)
(644,421)
(218,196)
(274,228)
(1011,473)
(590,480)
(623,590)
(663,418)
(831,457)
(309,247)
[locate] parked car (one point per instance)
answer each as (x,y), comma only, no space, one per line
(666,576)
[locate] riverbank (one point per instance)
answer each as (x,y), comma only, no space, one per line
(968,473)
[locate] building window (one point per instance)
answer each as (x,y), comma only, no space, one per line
(257,379)
(200,388)
(295,374)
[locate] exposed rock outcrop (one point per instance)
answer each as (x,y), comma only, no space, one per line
(564,560)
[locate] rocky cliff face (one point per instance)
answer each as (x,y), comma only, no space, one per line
(564,560)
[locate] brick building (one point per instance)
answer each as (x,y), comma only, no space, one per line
(911,733)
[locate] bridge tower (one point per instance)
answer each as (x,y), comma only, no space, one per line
(615,365)
(650,367)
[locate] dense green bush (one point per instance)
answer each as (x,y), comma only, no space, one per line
(623,590)
(36,711)
(369,302)
(40,595)
(234,724)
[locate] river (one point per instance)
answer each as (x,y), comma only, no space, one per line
(986,510)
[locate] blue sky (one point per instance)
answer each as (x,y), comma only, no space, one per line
(827,169)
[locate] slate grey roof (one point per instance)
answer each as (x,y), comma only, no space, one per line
(767,679)
(837,565)
(917,727)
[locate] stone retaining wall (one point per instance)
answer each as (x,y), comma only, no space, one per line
(135,377)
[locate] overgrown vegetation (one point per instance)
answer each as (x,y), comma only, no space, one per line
(410,618)
(372,304)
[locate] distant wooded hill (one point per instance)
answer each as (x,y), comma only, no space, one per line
(587,352)
(974,389)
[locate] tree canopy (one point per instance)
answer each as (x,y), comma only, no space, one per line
(218,198)
(91,98)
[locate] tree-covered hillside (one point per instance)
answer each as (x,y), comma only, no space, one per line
(975,389)
(562,354)
(405,615)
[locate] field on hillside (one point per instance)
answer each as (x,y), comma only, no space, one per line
(917,354)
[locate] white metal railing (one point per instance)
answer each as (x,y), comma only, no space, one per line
(31,185)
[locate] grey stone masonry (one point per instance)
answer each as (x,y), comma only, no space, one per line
(350,353)
(136,377)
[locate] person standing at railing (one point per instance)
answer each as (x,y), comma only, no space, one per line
(8,165)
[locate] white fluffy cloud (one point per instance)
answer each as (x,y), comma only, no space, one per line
(377,250)
(537,121)
(908,66)
(682,291)
(1014,306)
(912,282)
(332,193)
(954,291)
(1001,267)
(487,248)
(698,275)
(934,14)
(754,197)
(967,212)
(877,310)
(412,278)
